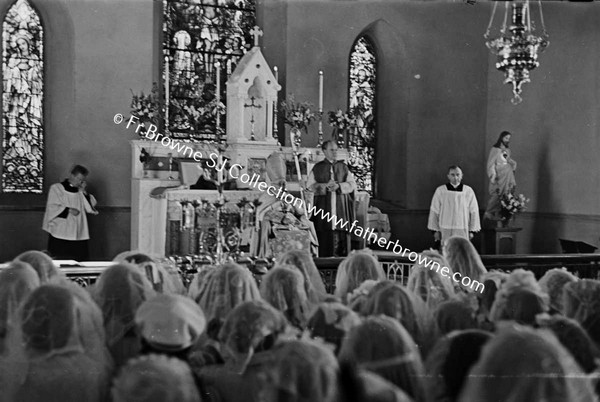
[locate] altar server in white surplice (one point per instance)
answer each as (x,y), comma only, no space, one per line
(65,218)
(454,210)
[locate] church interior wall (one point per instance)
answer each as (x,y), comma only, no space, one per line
(556,133)
(95,52)
(441,102)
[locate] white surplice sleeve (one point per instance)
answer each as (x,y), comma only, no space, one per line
(434,211)
(474,223)
(349,186)
(89,205)
(55,204)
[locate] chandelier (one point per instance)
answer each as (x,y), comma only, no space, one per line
(518,46)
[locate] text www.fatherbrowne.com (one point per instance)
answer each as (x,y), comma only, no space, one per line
(279,193)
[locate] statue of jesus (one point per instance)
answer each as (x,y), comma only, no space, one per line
(501,172)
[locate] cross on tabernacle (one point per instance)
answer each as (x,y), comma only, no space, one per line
(256,32)
(252,105)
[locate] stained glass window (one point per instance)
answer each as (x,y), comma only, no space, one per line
(23,91)
(196,35)
(362,139)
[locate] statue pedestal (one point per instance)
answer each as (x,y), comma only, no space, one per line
(500,240)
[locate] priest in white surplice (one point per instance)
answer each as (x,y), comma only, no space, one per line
(65,218)
(454,210)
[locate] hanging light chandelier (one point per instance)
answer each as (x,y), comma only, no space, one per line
(518,46)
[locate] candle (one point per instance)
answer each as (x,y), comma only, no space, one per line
(275,129)
(167,93)
(218,90)
(320,91)
(218,96)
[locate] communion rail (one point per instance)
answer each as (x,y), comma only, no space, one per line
(397,267)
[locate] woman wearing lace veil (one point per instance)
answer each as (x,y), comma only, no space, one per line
(463,257)
(119,291)
(313,283)
(393,300)
(16,283)
(582,303)
(358,267)
(59,350)
(382,345)
(428,284)
(449,363)
(283,288)
(302,371)
(152,378)
(523,364)
(246,337)
(43,265)
(553,283)
(226,287)
(163,277)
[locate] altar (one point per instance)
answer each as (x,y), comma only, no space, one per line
(169,218)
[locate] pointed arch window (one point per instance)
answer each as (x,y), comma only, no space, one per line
(361,101)
(196,35)
(22,96)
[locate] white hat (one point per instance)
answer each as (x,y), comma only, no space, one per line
(170,322)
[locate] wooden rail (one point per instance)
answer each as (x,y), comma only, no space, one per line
(397,267)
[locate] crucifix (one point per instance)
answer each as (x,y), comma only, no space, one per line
(256,32)
(252,105)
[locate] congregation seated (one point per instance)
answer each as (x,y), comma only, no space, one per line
(313,283)
(55,355)
(135,335)
(119,292)
(43,265)
(153,378)
(355,269)
(283,288)
(428,284)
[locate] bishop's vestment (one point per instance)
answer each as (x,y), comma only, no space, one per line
(333,241)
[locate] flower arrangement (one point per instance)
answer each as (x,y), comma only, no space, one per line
(295,114)
(340,120)
(146,107)
(512,204)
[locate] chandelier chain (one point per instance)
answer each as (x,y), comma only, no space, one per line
(503,30)
(487,32)
(542,19)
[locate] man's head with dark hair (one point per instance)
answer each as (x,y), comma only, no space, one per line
(78,176)
(138,258)
(324,145)
(455,175)
(503,139)
(453,167)
(78,169)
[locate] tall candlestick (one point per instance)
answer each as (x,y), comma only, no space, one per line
(219,172)
(218,98)
(320,91)
(218,90)
(167,93)
(275,129)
